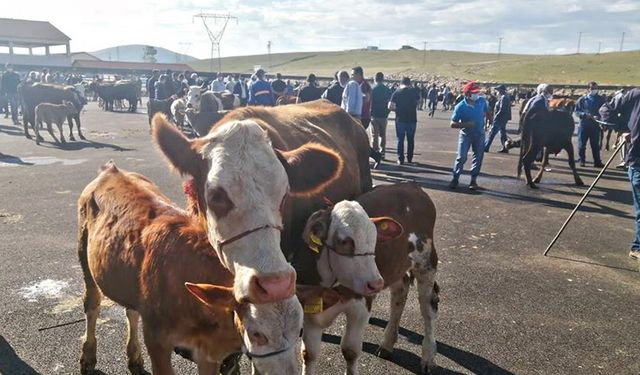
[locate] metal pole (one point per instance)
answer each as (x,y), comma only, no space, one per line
(579,39)
(219,60)
(599,46)
(424,53)
(621,41)
(584,197)
(499,46)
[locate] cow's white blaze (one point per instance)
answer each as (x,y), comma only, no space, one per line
(350,220)
(243,163)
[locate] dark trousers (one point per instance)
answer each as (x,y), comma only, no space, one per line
(634,178)
(408,130)
(13,103)
(498,126)
(589,132)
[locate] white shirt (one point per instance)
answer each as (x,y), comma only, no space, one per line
(352,98)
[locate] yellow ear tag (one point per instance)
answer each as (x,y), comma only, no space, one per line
(384,226)
(314,306)
(316,243)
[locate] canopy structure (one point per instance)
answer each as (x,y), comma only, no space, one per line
(16,33)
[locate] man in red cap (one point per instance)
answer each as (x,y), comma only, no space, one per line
(468,116)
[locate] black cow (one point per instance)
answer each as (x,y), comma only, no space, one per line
(548,131)
(34,94)
(119,90)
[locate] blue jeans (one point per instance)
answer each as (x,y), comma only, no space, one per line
(634,177)
(476,143)
(407,129)
(498,126)
(589,132)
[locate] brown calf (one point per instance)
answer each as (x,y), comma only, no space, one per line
(140,250)
(404,252)
(53,113)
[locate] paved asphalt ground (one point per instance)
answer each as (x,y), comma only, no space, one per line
(505,309)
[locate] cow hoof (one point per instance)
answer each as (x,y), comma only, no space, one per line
(383,353)
(579,183)
(429,370)
(82,137)
(28,136)
(71,138)
(536,180)
(87,365)
(533,185)
(137,368)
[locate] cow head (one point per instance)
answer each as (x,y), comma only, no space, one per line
(270,332)
(193,97)
(345,238)
(71,109)
(241,183)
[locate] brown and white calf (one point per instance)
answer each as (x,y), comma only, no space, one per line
(140,250)
(49,113)
(259,173)
(346,239)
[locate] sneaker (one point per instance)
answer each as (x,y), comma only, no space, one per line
(486,150)
(598,165)
(503,151)
(473,185)
(453,184)
(400,162)
(621,166)
(635,254)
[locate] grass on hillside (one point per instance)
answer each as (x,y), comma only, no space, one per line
(618,68)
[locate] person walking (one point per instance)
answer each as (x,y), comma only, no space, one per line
(468,116)
(405,104)
(501,116)
(310,92)
(588,129)
(365,88)
(380,97)
(260,92)
(352,98)
(334,92)
(432,97)
(9,84)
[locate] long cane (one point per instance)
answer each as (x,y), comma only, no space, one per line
(584,197)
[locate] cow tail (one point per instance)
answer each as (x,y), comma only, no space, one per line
(524,142)
(85,210)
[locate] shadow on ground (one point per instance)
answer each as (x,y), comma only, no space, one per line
(10,363)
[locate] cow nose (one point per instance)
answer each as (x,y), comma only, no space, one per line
(375,286)
(272,288)
(189,105)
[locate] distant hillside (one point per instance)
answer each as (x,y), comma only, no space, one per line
(611,68)
(135,53)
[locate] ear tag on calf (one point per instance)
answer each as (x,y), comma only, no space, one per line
(314,306)
(384,226)
(316,243)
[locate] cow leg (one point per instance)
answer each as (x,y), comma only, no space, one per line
(61,133)
(159,351)
(572,164)
(92,298)
(312,345)
(399,292)
(351,344)
(609,131)
(527,159)
(78,127)
(36,132)
(134,352)
(25,124)
(545,161)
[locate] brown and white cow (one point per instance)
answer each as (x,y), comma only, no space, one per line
(140,250)
(345,239)
(198,96)
(261,168)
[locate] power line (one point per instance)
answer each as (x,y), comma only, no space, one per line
(215,38)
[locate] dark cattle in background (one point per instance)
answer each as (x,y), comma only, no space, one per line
(123,89)
(551,131)
(32,95)
(163,106)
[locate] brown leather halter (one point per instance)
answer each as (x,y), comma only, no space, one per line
(221,244)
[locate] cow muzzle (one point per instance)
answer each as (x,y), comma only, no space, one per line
(272,288)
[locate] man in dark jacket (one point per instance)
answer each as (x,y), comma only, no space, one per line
(162,90)
(501,116)
(380,96)
(10,81)
(629,107)
(334,92)
(588,129)
(151,84)
(311,91)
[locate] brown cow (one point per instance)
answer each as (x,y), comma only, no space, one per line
(404,252)
(261,166)
(137,248)
(53,113)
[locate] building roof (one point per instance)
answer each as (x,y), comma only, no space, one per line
(123,65)
(25,33)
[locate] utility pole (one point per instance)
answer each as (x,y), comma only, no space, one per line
(599,47)
(622,41)
(499,46)
(579,40)
(424,53)
(215,38)
(269,52)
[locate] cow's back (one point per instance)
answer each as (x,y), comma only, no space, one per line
(290,127)
(408,204)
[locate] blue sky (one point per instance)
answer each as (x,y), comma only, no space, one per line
(540,26)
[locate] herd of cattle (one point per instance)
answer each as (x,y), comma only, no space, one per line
(260,256)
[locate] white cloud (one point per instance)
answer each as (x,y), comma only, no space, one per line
(544,26)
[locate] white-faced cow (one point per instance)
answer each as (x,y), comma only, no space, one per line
(140,250)
(346,262)
(261,168)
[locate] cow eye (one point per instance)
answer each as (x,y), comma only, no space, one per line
(344,246)
(218,201)
(259,339)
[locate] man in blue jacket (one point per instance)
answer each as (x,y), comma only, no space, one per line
(468,116)
(588,129)
(260,92)
(502,115)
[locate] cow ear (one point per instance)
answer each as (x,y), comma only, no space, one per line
(316,231)
(182,153)
(213,295)
(311,168)
(388,229)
